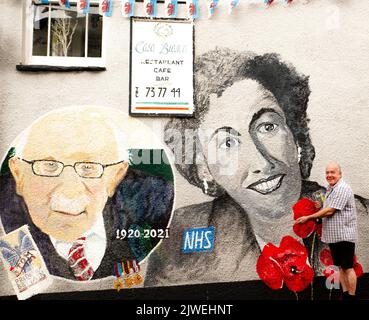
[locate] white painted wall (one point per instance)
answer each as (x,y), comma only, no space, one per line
(325,39)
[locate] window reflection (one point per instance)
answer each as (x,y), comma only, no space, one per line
(40,29)
(94,35)
(67,35)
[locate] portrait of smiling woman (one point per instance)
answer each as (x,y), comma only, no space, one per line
(249,147)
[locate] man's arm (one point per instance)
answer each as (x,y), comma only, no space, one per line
(326,212)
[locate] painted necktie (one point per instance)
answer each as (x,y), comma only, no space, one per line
(78,262)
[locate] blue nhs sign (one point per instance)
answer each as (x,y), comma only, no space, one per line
(198,240)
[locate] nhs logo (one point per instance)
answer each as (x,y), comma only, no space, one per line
(198,240)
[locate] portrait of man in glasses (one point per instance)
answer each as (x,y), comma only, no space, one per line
(70,181)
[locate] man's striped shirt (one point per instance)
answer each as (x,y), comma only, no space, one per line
(342,225)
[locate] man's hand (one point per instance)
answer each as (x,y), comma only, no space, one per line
(302,220)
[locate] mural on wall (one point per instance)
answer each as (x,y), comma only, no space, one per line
(88,197)
(80,209)
(249,147)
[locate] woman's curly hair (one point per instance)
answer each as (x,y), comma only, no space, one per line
(219,69)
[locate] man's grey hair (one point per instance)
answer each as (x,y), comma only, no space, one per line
(335,164)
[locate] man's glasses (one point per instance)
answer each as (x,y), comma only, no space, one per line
(53,168)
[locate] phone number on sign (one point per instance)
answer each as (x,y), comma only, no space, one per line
(145,233)
(158,92)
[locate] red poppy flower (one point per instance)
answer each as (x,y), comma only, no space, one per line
(285,264)
(302,208)
(325,258)
(270,272)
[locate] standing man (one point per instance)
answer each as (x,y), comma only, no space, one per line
(339,227)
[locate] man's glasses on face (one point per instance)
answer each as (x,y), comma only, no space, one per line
(53,168)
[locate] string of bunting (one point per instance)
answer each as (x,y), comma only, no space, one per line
(128,7)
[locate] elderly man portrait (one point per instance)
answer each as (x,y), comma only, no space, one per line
(70,180)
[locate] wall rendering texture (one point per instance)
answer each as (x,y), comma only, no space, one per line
(323,44)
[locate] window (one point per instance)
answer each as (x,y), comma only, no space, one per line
(58,36)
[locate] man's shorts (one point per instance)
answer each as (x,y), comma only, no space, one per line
(343,254)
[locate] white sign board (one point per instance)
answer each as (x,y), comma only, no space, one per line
(161,70)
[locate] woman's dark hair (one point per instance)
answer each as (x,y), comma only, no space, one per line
(219,69)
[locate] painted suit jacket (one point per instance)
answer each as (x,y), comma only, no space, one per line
(139,200)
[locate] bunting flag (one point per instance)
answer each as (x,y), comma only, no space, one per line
(128,8)
(105,7)
(212,6)
(171,8)
(150,8)
(83,6)
(64,3)
(193,9)
(231,5)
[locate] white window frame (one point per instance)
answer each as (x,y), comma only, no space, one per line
(27,44)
